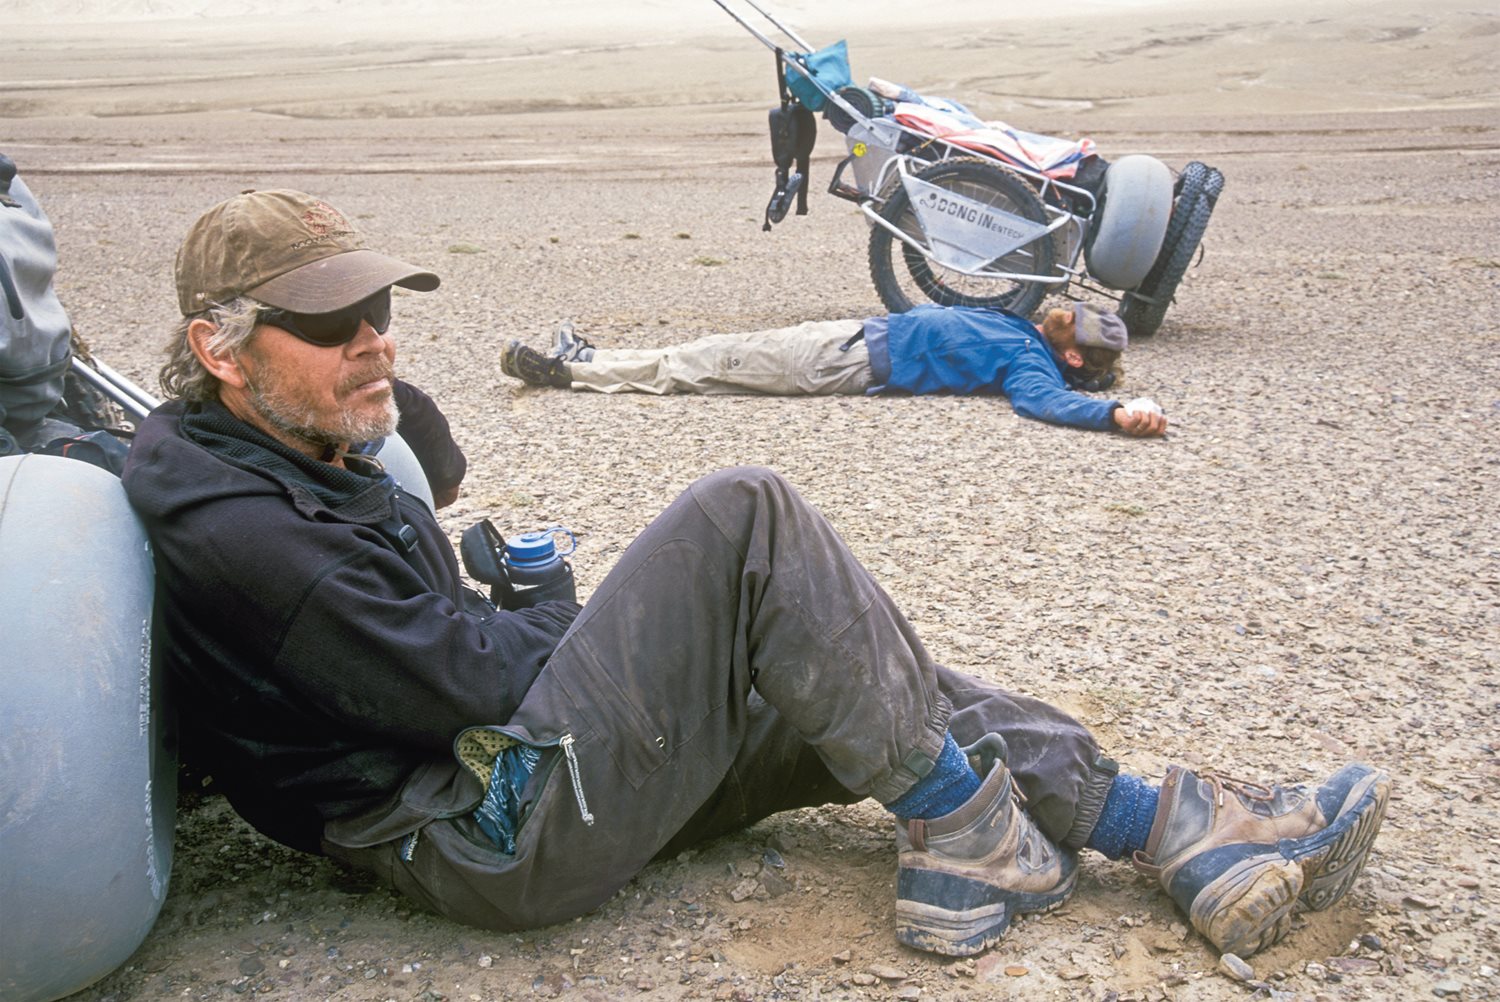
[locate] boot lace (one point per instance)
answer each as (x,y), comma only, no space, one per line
(1244,789)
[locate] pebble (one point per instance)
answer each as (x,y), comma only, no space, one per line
(486,960)
(775,884)
(885,973)
(1447,987)
(1235,968)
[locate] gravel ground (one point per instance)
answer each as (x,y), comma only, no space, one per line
(1302,573)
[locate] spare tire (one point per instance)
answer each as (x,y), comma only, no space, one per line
(866,102)
(1126,232)
(89,801)
(1144,307)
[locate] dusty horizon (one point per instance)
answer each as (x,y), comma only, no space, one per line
(1131,57)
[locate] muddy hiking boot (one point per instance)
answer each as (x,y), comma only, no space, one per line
(962,877)
(531,366)
(1241,859)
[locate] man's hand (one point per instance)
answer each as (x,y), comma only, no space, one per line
(1140,423)
(445,497)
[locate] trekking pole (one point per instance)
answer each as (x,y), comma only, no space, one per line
(146,399)
(132,399)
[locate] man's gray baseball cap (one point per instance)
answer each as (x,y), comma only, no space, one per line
(288,250)
(1093,327)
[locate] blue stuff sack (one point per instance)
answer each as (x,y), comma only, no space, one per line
(830,65)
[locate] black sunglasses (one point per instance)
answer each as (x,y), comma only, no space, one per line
(329,330)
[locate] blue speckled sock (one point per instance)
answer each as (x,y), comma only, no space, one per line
(944,790)
(1125,822)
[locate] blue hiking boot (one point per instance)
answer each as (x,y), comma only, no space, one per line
(571,346)
(962,877)
(1241,859)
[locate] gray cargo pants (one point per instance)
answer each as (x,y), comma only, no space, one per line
(738,661)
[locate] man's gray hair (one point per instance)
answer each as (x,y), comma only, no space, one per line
(183,376)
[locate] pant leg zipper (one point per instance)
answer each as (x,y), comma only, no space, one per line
(583,807)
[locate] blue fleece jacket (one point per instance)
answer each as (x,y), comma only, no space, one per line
(937,349)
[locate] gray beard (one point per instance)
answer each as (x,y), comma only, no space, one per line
(297,420)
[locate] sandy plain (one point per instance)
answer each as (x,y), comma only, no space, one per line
(1302,573)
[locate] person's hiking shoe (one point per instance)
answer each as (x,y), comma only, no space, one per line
(531,366)
(1240,859)
(961,878)
(571,347)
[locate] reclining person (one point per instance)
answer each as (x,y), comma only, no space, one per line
(516,769)
(930,349)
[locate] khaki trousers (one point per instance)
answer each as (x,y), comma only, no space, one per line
(789,361)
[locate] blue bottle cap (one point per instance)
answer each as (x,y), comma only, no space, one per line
(531,548)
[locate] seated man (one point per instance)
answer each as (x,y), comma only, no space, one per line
(35,409)
(930,349)
(515,769)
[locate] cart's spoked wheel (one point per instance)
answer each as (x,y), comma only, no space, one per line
(1145,307)
(903,276)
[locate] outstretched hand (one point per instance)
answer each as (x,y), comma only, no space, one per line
(1141,423)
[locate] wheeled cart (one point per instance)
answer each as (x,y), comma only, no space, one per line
(966,212)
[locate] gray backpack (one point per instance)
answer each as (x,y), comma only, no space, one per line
(34,330)
(44,405)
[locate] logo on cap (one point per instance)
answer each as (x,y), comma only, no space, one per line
(322,221)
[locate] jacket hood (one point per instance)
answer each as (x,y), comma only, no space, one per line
(181,473)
